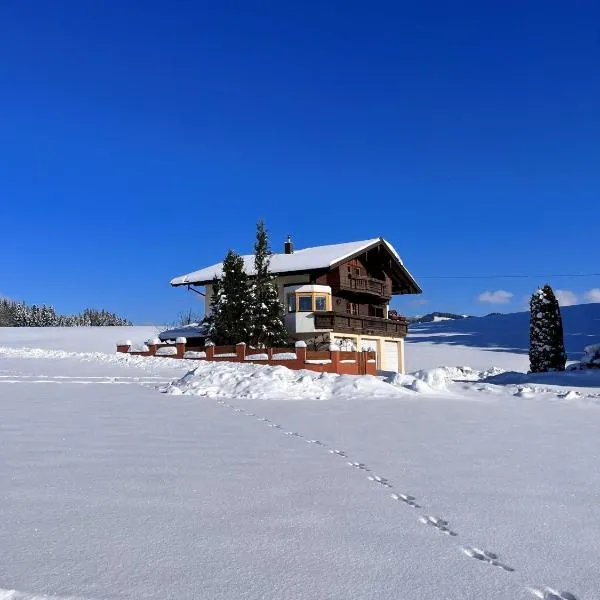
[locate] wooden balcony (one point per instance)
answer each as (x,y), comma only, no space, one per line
(344,323)
(365,285)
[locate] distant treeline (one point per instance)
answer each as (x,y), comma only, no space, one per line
(19,314)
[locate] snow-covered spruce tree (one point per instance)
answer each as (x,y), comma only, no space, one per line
(229,319)
(266,311)
(546,344)
(21,315)
(7,312)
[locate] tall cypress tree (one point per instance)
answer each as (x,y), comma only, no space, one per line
(229,321)
(267,326)
(546,343)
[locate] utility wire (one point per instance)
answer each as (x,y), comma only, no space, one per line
(508,276)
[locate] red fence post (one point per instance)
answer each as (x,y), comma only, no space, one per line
(334,353)
(180,343)
(301,351)
(123,346)
(240,351)
(209,348)
(152,345)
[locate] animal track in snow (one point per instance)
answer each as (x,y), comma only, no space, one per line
(275,425)
(292,433)
(492,559)
(438,524)
(357,465)
(263,419)
(410,500)
(316,442)
(338,453)
(380,480)
(550,594)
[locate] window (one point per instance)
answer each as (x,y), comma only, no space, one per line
(305,303)
(352,308)
(308,301)
(354,268)
(291,303)
(320,302)
(375,311)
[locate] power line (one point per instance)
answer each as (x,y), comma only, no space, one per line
(546,276)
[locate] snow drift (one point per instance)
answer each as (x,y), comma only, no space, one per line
(238,380)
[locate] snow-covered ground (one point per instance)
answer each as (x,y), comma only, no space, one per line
(500,340)
(255,482)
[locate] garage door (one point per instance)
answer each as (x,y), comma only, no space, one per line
(391,356)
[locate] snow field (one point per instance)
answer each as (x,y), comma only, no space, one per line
(448,483)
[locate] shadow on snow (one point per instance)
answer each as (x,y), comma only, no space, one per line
(510,332)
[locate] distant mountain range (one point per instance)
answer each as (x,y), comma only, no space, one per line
(435,317)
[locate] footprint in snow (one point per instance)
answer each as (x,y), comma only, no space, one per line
(488,557)
(438,524)
(292,433)
(316,442)
(263,419)
(380,480)
(550,594)
(275,425)
(338,453)
(357,465)
(410,500)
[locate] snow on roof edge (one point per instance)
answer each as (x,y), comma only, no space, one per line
(294,260)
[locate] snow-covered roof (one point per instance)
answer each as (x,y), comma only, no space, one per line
(191,330)
(306,259)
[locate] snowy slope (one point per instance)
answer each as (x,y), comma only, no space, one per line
(501,340)
(113,490)
(75,339)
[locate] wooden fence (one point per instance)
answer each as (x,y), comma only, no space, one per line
(299,357)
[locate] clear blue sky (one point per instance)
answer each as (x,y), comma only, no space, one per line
(140,140)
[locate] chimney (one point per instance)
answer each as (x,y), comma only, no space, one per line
(288,247)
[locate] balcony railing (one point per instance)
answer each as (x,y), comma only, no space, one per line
(343,323)
(366,285)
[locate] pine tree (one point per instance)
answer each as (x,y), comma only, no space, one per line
(21,315)
(7,313)
(48,316)
(546,345)
(229,318)
(266,311)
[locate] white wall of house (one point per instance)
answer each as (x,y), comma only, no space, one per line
(208,294)
(283,280)
(299,323)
